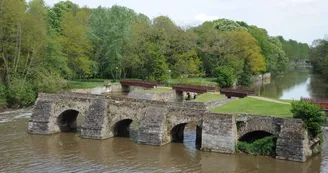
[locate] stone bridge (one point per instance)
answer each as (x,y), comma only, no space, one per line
(158,123)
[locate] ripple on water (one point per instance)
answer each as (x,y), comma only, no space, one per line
(65,152)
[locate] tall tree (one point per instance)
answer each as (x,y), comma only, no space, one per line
(110,30)
(76,45)
(11,32)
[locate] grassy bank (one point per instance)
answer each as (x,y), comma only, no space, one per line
(208,97)
(194,81)
(256,107)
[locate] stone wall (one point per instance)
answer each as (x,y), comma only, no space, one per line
(293,141)
(169,96)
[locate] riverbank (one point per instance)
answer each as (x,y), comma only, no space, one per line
(3,107)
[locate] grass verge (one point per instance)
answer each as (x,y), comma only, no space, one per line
(208,97)
(157,90)
(84,84)
(194,81)
(256,107)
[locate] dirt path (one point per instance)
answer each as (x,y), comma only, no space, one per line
(269,100)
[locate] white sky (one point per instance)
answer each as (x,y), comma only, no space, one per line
(301,20)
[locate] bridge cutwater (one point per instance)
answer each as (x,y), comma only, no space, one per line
(159,122)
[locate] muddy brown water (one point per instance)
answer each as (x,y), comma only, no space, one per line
(66,152)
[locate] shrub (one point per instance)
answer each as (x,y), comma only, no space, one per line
(312,116)
(50,83)
(265,146)
(245,79)
(224,75)
(20,92)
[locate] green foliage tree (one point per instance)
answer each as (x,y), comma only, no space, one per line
(11,32)
(188,65)
(76,45)
(275,58)
(110,32)
(319,57)
(208,44)
(228,25)
(295,50)
(43,45)
(58,11)
(312,116)
(225,76)
(239,48)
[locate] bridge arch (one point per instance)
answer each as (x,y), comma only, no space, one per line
(255,135)
(121,128)
(254,124)
(177,132)
(67,120)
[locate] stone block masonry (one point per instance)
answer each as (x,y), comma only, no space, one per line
(219,133)
(157,123)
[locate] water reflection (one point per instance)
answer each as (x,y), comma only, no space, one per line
(294,85)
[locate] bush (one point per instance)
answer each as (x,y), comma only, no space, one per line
(224,75)
(245,78)
(20,92)
(265,146)
(312,116)
(50,83)
(2,94)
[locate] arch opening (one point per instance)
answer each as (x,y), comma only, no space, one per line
(122,128)
(67,121)
(258,143)
(253,136)
(187,133)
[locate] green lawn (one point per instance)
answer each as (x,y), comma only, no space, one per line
(194,81)
(256,107)
(83,84)
(156,90)
(208,97)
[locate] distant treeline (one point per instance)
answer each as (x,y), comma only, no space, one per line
(319,56)
(42,47)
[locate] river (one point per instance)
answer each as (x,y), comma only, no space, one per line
(67,152)
(294,85)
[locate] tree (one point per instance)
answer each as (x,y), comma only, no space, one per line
(275,58)
(239,48)
(312,116)
(225,76)
(188,65)
(319,56)
(208,46)
(11,32)
(228,25)
(58,11)
(76,45)
(110,31)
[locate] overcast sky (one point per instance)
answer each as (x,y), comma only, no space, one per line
(301,20)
